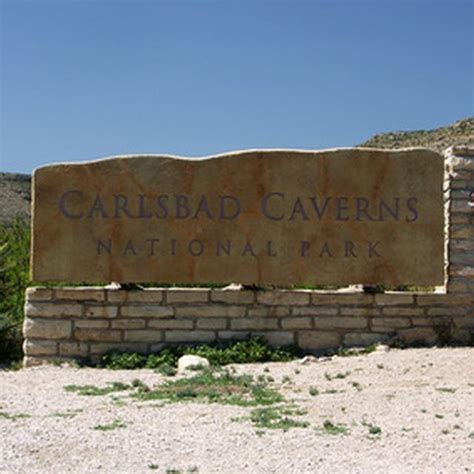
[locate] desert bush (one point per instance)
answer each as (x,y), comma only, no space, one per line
(252,350)
(14,277)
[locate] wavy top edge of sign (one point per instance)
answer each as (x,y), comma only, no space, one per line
(250,151)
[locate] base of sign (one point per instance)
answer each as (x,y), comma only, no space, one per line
(64,324)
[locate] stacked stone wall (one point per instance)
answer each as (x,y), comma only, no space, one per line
(84,323)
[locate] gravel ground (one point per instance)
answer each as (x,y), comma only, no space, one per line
(421,399)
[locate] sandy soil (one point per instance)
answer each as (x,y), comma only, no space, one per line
(421,399)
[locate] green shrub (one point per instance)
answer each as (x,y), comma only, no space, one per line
(14,277)
(251,350)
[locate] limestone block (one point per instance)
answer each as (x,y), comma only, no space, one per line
(211,311)
(462,271)
(170,323)
(195,295)
(461,206)
(340,322)
(47,328)
(458,286)
(368,311)
(364,339)
(465,246)
(148,311)
(393,311)
(318,340)
(30,361)
(143,335)
(254,324)
(391,322)
(387,299)
(277,338)
(79,293)
(359,299)
(91,323)
(442,299)
(233,296)
(269,311)
(466,322)
(39,294)
(282,297)
(459,219)
(101,311)
(147,295)
(134,323)
(315,311)
(448,311)
(418,336)
(189,336)
(73,349)
(97,335)
(296,323)
(235,335)
(38,347)
(52,310)
(102,348)
(212,323)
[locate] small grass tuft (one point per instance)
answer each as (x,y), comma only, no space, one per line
(313,391)
(19,416)
(446,389)
(277,418)
(210,387)
(334,429)
(116,424)
(92,390)
(373,429)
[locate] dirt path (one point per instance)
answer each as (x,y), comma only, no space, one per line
(398,411)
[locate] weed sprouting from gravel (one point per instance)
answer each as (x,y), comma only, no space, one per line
(332,391)
(92,390)
(8,416)
(446,389)
(313,391)
(339,375)
(277,418)
(153,467)
(437,415)
(334,429)
(210,387)
(374,430)
(66,414)
(116,424)
(357,386)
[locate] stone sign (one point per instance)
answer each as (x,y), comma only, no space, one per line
(346,216)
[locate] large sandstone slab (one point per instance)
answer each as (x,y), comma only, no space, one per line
(276,217)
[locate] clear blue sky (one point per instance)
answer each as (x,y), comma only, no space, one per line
(85,79)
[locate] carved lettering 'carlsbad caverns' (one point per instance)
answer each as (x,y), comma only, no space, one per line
(271,217)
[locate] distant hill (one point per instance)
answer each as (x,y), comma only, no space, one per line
(15,197)
(15,189)
(438,139)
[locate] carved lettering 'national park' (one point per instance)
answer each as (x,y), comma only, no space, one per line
(271,217)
